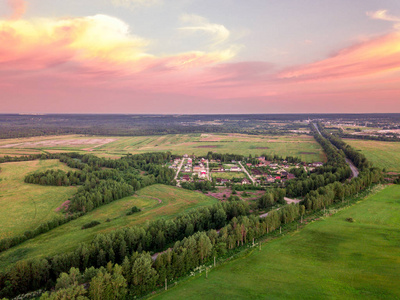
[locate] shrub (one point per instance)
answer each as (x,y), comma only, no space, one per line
(351,220)
(133,210)
(90,225)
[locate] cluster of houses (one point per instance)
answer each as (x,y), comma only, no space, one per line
(193,167)
(263,172)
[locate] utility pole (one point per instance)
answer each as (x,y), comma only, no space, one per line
(280,230)
(259,245)
(166,285)
(206,272)
(214,262)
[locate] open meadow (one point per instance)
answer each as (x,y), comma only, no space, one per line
(156,201)
(302,146)
(381,154)
(25,206)
(328,259)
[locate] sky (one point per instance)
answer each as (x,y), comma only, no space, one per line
(199,56)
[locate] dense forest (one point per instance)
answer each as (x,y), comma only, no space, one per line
(120,265)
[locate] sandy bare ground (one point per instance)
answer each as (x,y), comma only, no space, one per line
(290,201)
(62,142)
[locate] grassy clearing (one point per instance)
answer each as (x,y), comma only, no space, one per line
(328,259)
(302,146)
(156,201)
(228,175)
(25,206)
(381,154)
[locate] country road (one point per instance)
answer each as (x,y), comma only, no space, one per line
(244,170)
(179,169)
(353,168)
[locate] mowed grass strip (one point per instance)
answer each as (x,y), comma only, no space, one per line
(25,206)
(156,201)
(381,154)
(328,259)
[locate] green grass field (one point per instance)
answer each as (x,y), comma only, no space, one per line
(381,154)
(228,175)
(156,201)
(302,146)
(328,259)
(25,206)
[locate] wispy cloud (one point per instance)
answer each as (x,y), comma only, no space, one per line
(377,55)
(198,24)
(135,3)
(382,15)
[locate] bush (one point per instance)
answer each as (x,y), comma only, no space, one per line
(90,225)
(133,210)
(351,220)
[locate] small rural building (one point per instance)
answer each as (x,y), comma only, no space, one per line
(246,181)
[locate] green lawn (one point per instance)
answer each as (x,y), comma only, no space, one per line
(25,206)
(381,154)
(156,201)
(328,259)
(228,175)
(302,146)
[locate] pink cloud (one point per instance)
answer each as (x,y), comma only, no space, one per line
(381,54)
(18,8)
(94,64)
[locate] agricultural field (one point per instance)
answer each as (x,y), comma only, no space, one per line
(381,154)
(25,206)
(302,146)
(329,259)
(156,201)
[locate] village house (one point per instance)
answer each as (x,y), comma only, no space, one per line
(197,169)
(246,181)
(317,164)
(235,169)
(291,176)
(185,178)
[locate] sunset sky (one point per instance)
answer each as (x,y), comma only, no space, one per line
(199,56)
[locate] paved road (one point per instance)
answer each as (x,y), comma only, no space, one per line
(244,170)
(353,168)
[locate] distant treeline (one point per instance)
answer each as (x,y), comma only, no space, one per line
(15,126)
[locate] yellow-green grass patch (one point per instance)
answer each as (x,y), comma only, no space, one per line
(25,206)
(156,201)
(228,175)
(381,154)
(302,146)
